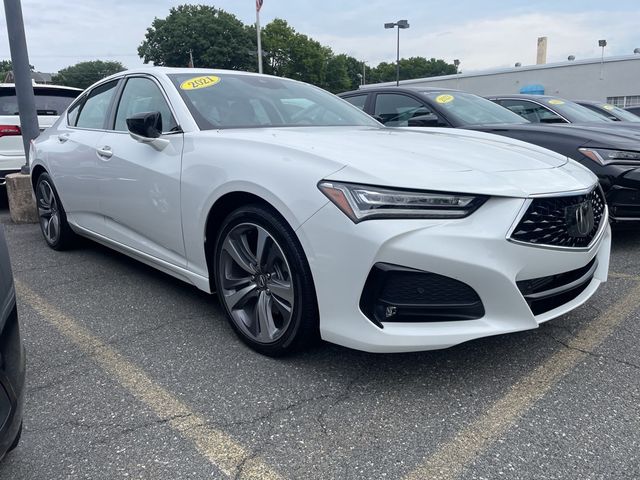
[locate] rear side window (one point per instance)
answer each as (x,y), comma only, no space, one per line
(532,111)
(93,113)
(49,101)
(357,101)
(72,115)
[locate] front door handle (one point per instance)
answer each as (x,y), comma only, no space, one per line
(105,153)
(63,137)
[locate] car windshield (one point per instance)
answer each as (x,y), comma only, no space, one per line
(469,109)
(245,101)
(620,113)
(573,112)
(49,101)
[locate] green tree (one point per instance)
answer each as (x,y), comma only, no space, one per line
(83,74)
(338,74)
(414,67)
(217,39)
(6,66)
(293,55)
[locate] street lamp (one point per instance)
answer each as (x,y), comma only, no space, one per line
(602,44)
(456,62)
(401,24)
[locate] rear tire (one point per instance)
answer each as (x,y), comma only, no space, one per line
(264,282)
(53,218)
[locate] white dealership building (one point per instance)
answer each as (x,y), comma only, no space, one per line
(615,80)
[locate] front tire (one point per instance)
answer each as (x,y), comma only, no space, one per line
(53,219)
(264,282)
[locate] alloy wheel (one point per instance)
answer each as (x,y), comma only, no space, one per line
(256,283)
(48,211)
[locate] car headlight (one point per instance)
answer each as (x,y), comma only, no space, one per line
(605,156)
(364,202)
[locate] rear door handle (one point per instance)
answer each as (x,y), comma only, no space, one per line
(63,137)
(105,153)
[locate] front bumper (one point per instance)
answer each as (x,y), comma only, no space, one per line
(474,250)
(622,190)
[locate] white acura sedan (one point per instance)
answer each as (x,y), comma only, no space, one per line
(310,219)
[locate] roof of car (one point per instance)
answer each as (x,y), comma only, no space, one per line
(366,89)
(42,85)
(590,102)
(523,95)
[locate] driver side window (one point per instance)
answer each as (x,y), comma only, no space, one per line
(532,111)
(398,110)
(141,95)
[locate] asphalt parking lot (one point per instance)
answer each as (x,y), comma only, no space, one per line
(132,374)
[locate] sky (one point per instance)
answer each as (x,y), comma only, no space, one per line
(481,34)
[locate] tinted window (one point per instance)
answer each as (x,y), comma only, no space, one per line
(397,110)
(600,111)
(93,113)
(141,95)
(245,101)
(49,101)
(574,112)
(72,114)
(532,111)
(469,109)
(357,101)
(613,112)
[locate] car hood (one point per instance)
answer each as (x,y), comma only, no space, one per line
(583,134)
(426,158)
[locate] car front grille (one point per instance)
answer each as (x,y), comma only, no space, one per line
(571,221)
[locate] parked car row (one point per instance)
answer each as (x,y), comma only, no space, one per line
(609,149)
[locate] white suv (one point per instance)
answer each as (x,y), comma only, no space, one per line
(51,101)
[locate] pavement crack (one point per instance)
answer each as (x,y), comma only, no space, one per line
(337,399)
(592,353)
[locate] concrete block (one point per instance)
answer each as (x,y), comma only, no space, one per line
(22,202)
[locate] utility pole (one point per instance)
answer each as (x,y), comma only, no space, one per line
(22,74)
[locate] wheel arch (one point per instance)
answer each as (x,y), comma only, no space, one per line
(222,207)
(35,174)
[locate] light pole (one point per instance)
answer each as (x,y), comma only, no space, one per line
(401,24)
(456,62)
(602,44)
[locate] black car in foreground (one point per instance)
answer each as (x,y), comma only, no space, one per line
(610,112)
(12,358)
(612,154)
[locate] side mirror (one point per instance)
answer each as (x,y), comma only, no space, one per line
(146,124)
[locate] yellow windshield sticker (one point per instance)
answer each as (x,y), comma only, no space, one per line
(200,82)
(444,98)
(608,107)
(555,101)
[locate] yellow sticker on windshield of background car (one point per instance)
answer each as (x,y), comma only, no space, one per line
(200,82)
(608,107)
(444,98)
(555,101)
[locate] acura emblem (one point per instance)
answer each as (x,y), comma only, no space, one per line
(580,219)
